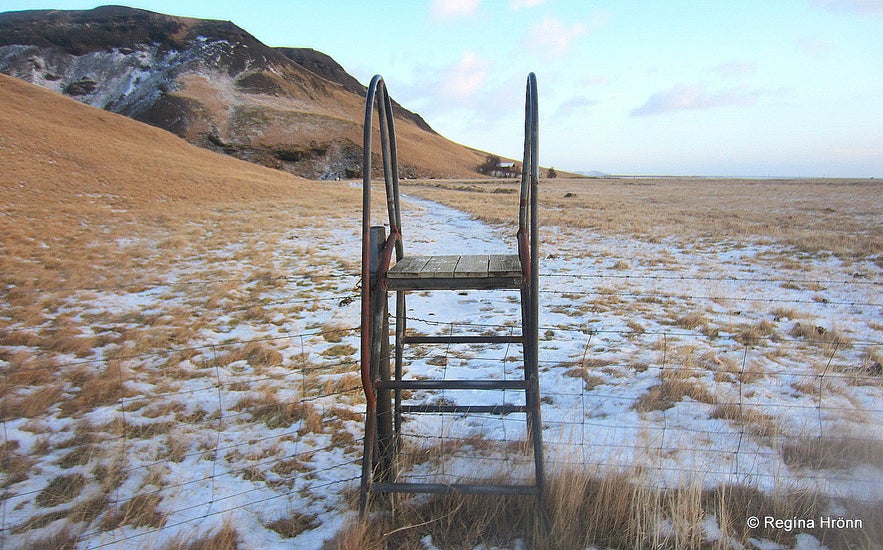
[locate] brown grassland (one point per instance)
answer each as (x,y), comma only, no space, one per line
(78,185)
(840,217)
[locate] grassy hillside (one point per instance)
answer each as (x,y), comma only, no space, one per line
(69,169)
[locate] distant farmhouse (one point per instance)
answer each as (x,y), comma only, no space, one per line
(506,170)
(494,167)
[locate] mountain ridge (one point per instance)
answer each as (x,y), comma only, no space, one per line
(217,86)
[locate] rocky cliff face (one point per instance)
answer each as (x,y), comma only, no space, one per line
(217,86)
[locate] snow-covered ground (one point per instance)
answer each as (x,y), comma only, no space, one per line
(700,362)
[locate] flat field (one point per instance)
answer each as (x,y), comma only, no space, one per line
(185,372)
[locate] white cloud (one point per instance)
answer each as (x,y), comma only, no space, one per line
(573,106)
(554,35)
(860,7)
(735,69)
(518,4)
(595,80)
(465,78)
(813,47)
(683,97)
(447,9)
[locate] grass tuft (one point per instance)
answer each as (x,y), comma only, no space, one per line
(668,393)
(140,511)
(819,335)
(692,321)
(831,453)
(274,413)
(60,490)
(294,524)
(225,538)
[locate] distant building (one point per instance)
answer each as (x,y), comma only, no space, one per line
(506,170)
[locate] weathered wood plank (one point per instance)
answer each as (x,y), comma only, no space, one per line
(472,266)
(504,265)
(440,267)
(453,283)
(456,272)
(408,267)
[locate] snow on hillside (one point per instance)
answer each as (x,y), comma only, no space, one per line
(275,432)
(122,80)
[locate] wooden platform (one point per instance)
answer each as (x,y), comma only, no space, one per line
(483,271)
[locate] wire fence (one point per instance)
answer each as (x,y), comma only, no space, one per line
(140,447)
(723,412)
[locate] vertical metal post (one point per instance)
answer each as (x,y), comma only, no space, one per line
(380,361)
(368,259)
(401,328)
(531,150)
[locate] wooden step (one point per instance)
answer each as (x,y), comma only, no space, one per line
(464,339)
(453,385)
(475,409)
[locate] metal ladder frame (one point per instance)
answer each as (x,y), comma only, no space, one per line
(383,420)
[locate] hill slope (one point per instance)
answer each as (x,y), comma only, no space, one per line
(55,150)
(76,179)
(216,86)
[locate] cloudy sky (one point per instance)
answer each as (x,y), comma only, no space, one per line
(702,87)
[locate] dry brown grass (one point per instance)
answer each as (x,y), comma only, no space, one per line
(680,377)
(692,320)
(344,383)
(746,418)
(14,465)
(140,511)
(819,335)
(335,332)
(28,370)
(64,539)
(83,511)
(755,334)
(274,413)
(96,390)
(812,216)
(358,535)
(294,524)
(105,227)
(36,402)
(831,452)
(636,327)
(668,393)
(103,177)
(339,350)
(590,381)
(61,489)
(611,510)
(225,538)
(257,354)
(452,521)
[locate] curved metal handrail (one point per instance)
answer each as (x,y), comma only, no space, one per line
(527,213)
(377,93)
